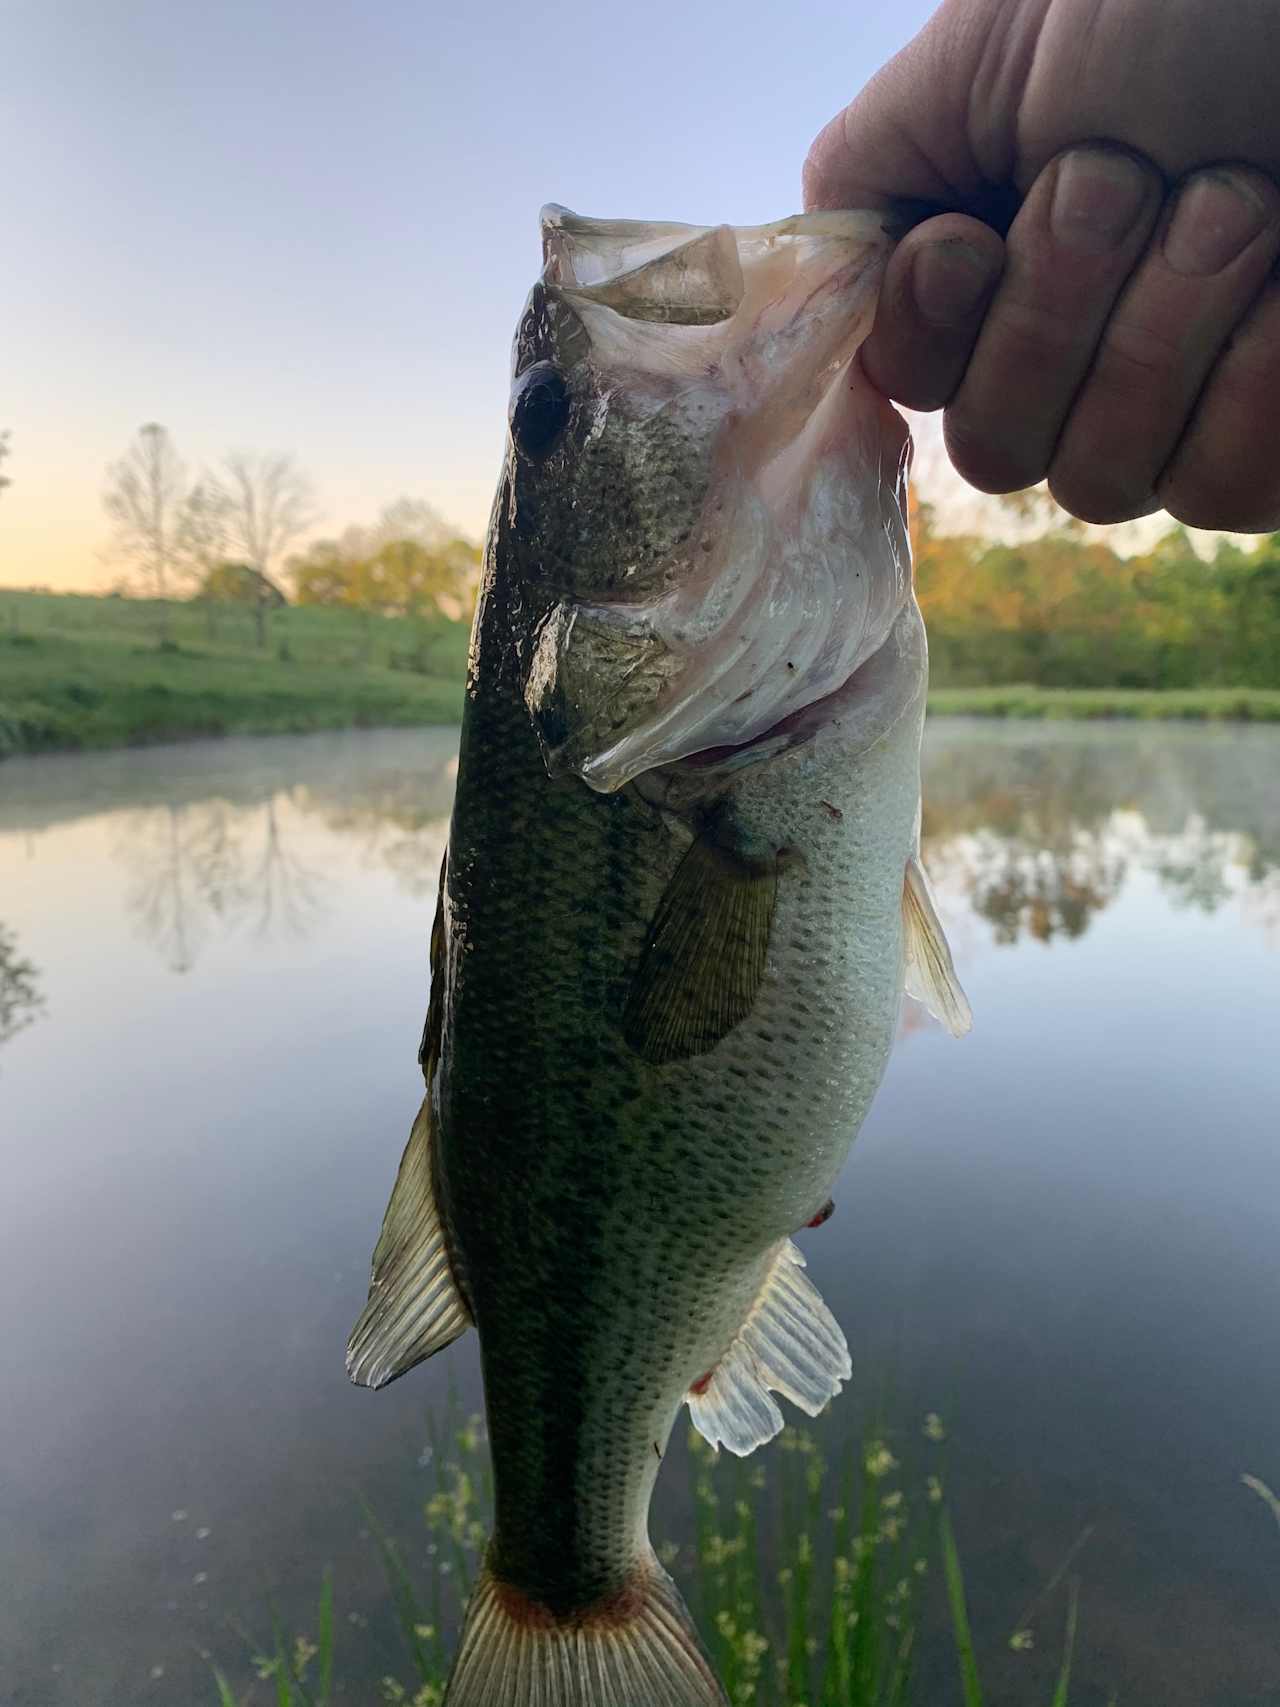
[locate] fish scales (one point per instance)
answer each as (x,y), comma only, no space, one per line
(663,1002)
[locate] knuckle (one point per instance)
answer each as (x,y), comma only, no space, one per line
(1145,371)
(1034,327)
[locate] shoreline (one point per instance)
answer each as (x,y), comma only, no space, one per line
(439,706)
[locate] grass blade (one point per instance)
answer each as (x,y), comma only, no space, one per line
(969,1680)
(403,1595)
(324,1639)
(225,1697)
(1068,1648)
(1264,1493)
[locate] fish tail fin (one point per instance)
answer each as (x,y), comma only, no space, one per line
(639,1649)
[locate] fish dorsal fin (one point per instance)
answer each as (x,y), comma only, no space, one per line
(791,1344)
(697,284)
(931,976)
(414,1307)
(704,959)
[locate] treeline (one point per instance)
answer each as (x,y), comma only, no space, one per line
(1065,610)
(225,539)
(410,563)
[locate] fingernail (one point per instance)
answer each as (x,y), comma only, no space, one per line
(1097,198)
(1217,215)
(949,280)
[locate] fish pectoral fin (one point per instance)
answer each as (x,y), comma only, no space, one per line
(704,960)
(636,1648)
(931,976)
(414,1307)
(791,1344)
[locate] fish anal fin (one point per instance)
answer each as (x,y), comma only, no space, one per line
(702,966)
(930,973)
(414,1307)
(791,1344)
(638,1649)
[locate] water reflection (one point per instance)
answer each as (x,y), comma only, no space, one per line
(1037,834)
(219,845)
(197,870)
(1061,1233)
(20,996)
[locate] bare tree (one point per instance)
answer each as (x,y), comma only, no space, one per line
(268,503)
(201,543)
(144,495)
(4,452)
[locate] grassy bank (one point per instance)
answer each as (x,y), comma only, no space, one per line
(860,1558)
(81,672)
(78,671)
(1242,705)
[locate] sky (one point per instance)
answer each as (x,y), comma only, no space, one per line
(309,227)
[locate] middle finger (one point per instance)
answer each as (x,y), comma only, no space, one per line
(1077,237)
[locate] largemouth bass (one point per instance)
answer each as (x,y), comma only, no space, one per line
(679,902)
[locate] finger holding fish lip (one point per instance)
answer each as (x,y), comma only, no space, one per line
(936,289)
(1224,472)
(1078,236)
(1202,271)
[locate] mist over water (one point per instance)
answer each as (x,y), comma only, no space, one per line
(1061,1233)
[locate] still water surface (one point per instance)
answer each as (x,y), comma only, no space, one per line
(1063,1232)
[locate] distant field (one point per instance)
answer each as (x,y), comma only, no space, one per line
(1222,704)
(77,671)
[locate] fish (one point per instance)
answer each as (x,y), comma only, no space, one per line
(680,901)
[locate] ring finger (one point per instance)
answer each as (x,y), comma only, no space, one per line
(1209,259)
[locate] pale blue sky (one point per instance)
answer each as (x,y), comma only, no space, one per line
(310,227)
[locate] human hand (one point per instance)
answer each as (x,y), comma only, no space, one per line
(1124,337)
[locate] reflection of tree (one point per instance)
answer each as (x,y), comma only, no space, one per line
(400,817)
(170,913)
(283,891)
(20,998)
(213,864)
(1041,892)
(1039,833)
(1194,867)
(1260,905)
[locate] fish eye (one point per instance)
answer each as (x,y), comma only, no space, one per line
(539,409)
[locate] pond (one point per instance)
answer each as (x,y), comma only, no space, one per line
(1061,1233)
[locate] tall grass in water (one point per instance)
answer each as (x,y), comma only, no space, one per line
(806,1579)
